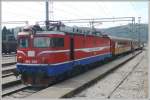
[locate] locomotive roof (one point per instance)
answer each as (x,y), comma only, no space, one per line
(63,33)
(24,33)
(42,32)
(55,32)
(50,32)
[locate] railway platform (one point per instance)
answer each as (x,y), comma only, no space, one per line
(128,81)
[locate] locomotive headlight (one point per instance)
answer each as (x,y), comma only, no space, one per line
(19,59)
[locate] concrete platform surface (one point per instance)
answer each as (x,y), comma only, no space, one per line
(136,85)
(68,87)
(125,82)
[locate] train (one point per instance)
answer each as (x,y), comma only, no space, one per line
(43,57)
(9,42)
(9,47)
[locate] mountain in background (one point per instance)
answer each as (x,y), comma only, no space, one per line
(129,31)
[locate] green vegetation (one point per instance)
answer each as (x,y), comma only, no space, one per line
(7,34)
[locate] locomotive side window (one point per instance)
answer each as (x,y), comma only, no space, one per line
(41,42)
(56,42)
(23,43)
(45,42)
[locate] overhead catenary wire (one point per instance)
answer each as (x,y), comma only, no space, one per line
(76,9)
(53,10)
(20,23)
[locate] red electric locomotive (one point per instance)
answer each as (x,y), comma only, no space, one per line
(45,56)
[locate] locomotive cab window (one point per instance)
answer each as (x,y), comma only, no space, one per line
(41,42)
(56,42)
(23,43)
(45,42)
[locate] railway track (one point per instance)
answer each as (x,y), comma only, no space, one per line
(8,67)
(6,75)
(10,81)
(21,91)
(8,71)
(8,78)
(7,64)
(26,91)
(8,60)
(13,87)
(8,55)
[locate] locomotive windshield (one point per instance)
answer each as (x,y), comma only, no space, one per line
(41,42)
(45,42)
(23,43)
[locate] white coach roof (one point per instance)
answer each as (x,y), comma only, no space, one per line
(120,38)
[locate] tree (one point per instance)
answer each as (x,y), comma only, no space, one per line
(4,32)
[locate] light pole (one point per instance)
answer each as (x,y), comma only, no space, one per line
(139,34)
(47,13)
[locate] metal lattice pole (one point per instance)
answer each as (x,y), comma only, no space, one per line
(47,13)
(139,34)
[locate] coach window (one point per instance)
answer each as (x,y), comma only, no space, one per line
(56,42)
(23,43)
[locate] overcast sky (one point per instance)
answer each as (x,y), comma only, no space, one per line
(35,11)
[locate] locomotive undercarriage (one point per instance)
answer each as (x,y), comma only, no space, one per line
(36,79)
(42,79)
